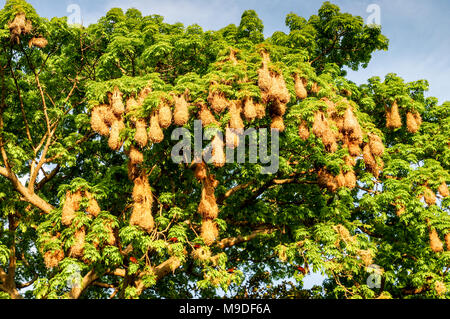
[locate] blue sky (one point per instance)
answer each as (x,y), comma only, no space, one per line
(418,29)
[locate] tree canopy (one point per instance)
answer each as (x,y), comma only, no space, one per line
(93,205)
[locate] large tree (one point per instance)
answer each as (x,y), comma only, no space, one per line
(94,206)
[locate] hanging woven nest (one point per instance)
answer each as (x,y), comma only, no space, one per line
(97,122)
(142,206)
(260,110)
(218,101)
(303,131)
(181,112)
(236,123)
(429,196)
(278,108)
(77,249)
(218,153)
(393,119)
(366,257)
(278,124)
(107,115)
(136,157)
(39,42)
(327,180)
(300,87)
(70,207)
(279,91)
(435,243)
(201,171)
(265,81)
(114,141)
(93,208)
(117,103)
(52,258)
(447,241)
(443,190)
(209,232)
(201,254)
(376,145)
(208,208)
(20,25)
(165,116)
(232,138)
(249,110)
(155,132)
(205,116)
(132,105)
(350,179)
(141,135)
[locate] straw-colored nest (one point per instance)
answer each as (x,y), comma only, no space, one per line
(77,249)
(70,207)
(440,288)
(206,116)
(232,138)
(443,190)
(278,124)
(114,141)
(303,131)
(435,243)
(218,153)
(201,254)
(327,180)
(39,42)
(117,103)
(209,232)
(344,234)
(141,136)
(447,241)
(155,132)
(236,121)
(131,104)
(98,123)
(142,214)
(93,208)
(429,196)
(181,112)
(165,116)
(366,257)
(411,123)
(393,119)
(20,25)
(376,145)
(218,101)
(249,110)
(52,258)
(300,87)
(136,157)
(350,179)
(260,110)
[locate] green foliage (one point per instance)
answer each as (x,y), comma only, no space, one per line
(274,230)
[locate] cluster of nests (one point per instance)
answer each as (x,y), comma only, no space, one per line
(22,26)
(74,203)
(366,255)
(394,120)
(207,208)
(350,135)
(430,198)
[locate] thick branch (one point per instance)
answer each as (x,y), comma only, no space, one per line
(232,241)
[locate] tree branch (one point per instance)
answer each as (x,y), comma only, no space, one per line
(232,241)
